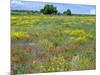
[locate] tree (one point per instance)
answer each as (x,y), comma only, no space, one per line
(67,12)
(49,9)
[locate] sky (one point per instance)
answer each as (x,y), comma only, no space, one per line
(61,7)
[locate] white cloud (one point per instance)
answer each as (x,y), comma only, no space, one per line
(16,2)
(92,11)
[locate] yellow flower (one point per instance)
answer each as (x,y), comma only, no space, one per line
(75,32)
(18,35)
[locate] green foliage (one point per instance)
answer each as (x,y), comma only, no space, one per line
(67,12)
(49,9)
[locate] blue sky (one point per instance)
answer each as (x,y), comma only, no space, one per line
(75,8)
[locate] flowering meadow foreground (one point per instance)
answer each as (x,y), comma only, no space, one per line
(43,43)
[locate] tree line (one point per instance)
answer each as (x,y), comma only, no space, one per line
(47,10)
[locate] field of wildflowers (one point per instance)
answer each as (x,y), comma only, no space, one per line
(44,43)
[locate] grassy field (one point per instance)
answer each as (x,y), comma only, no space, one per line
(43,43)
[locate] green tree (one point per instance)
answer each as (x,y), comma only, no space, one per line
(67,12)
(49,9)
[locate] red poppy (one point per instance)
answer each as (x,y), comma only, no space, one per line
(59,51)
(62,51)
(30,49)
(54,51)
(50,51)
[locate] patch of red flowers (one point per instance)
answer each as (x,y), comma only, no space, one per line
(29,49)
(56,51)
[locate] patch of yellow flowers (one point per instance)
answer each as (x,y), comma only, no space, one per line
(69,23)
(79,35)
(75,32)
(19,35)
